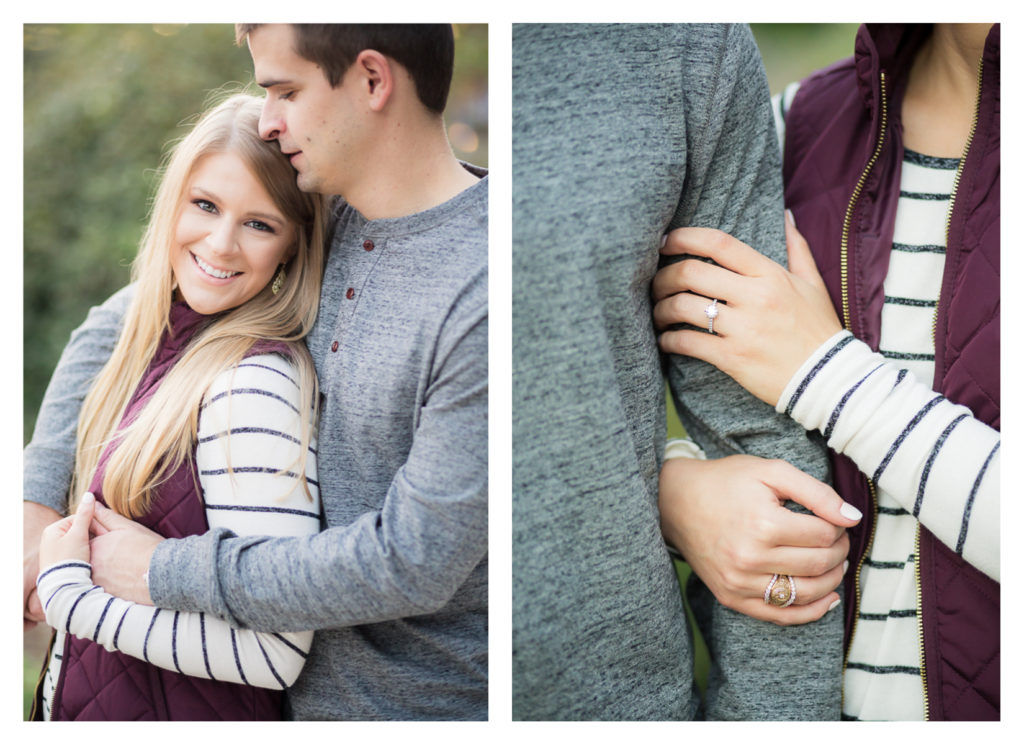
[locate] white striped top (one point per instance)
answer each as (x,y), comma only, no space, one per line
(930,459)
(249,444)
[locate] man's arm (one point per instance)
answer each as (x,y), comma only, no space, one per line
(49,459)
(406,559)
(734,183)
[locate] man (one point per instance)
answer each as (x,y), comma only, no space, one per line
(396,584)
(621,133)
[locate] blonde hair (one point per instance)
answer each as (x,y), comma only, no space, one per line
(163,434)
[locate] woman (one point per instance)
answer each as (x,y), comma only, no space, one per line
(891,164)
(203,418)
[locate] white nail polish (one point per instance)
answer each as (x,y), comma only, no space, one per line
(850,512)
(664,240)
(846,565)
(834,604)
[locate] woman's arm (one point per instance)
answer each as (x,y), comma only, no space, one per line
(931,455)
(778,336)
(249,437)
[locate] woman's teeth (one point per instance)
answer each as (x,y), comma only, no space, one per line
(213,272)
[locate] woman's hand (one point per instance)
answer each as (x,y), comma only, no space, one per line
(769,320)
(68,538)
(726,517)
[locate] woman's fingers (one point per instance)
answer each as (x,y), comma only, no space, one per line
(793,615)
(725,250)
(789,482)
(687,307)
(700,277)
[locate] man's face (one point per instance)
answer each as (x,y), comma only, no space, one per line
(317,126)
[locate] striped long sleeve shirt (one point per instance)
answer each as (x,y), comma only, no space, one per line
(248,448)
(931,461)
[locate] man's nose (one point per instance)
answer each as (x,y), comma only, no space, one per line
(270,126)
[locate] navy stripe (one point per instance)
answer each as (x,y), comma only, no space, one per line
(272,369)
(202,639)
(256,469)
(893,511)
(931,459)
(909,613)
(842,402)
(923,196)
(900,376)
(103,615)
(65,565)
(46,606)
(257,508)
(287,643)
(935,162)
(249,431)
(923,248)
(907,356)
(174,642)
(145,644)
(970,501)
(903,435)
(67,626)
(912,302)
(250,391)
(117,631)
(885,564)
(238,662)
(885,669)
(814,371)
(270,664)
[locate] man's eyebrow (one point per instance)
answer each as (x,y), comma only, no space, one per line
(271,83)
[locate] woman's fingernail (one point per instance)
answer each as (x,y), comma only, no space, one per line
(664,240)
(850,512)
(846,565)
(87,499)
(789,216)
(834,604)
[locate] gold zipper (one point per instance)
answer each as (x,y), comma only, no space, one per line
(956,180)
(847,322)
(845,239)
(856,576)
(920,615)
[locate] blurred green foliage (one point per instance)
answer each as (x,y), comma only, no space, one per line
(101,104)
(791,51)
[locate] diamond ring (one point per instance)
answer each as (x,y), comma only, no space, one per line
(712,313)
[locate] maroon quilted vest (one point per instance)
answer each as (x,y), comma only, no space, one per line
(832,132)
(95,684)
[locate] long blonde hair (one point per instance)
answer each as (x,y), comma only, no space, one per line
(164,432)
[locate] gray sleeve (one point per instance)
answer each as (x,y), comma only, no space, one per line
(406,559)
(734,184)
(50,456)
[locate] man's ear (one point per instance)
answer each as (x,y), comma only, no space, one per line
(376,77)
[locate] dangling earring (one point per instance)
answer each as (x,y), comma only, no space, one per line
(275,286)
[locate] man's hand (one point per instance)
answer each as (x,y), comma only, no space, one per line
(121,552)
(726,517)
(35,519)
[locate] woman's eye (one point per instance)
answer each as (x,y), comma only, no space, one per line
(259,225)
(205,205)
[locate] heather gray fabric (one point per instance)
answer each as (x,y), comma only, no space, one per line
(396,585)
(619,134)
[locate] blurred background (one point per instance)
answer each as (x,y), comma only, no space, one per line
(100,104)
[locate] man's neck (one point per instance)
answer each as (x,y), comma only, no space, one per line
(412,170)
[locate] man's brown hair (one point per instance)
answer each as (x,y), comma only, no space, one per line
(427,51)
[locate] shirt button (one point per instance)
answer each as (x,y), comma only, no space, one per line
(334,347)
(350,293)
(367,245)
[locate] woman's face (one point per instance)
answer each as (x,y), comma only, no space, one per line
(230,237)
